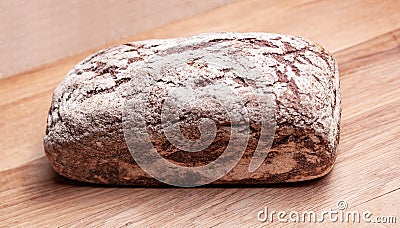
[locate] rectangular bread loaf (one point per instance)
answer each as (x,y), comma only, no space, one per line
(126,100)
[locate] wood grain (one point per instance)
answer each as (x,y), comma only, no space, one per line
(362,35)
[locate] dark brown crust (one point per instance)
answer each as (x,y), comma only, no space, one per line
(87,143)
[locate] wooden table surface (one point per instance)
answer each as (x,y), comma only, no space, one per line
(363,35)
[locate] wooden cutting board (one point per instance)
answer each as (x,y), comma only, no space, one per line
(363,35)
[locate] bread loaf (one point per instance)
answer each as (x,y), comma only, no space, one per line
(87,137)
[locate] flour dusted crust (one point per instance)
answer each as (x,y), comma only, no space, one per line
(85,141)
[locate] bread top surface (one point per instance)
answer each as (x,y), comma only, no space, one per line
(302,76)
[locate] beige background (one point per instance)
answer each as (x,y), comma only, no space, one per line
(33,33)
